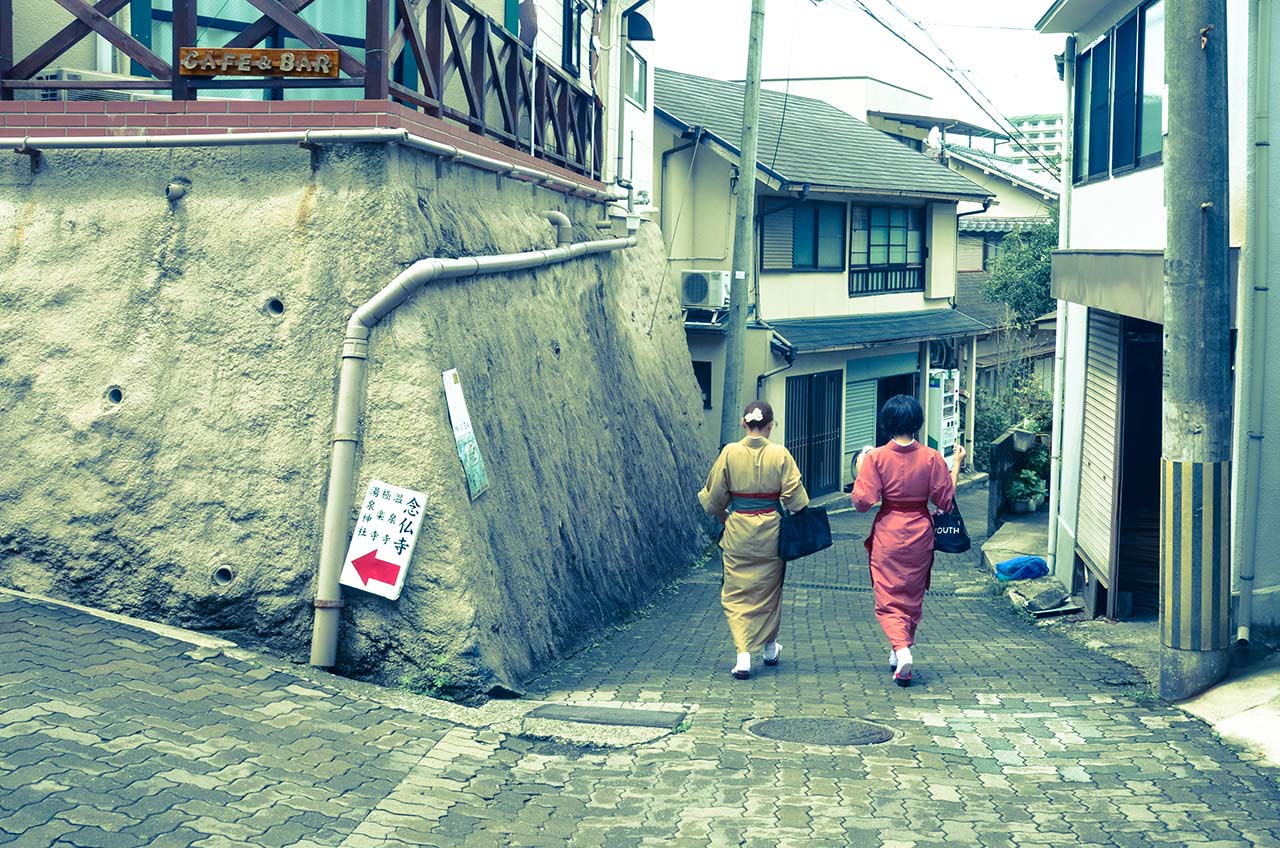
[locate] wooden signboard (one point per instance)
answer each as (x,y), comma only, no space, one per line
(254,62)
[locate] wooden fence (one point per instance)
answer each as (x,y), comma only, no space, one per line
(443,57)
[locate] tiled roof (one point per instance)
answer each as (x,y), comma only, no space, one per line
(809,334)
(971,300)
(992,224)
(819,144)
(1005,167)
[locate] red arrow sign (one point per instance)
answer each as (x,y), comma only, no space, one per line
(369,567)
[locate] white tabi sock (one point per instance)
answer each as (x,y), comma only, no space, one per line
(771,651)
(893,659)
(904,661)
(744,662)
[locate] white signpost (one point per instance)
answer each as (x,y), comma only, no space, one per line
(383,541)
(465,435)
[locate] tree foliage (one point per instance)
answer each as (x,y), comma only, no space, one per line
(1019,276)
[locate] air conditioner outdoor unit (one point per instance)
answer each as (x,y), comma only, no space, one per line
(705,289)
(74,74)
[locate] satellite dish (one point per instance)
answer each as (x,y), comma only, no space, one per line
(935,137)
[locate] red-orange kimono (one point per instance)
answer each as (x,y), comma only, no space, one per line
(903,478)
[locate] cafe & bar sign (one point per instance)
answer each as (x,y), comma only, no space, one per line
(216,61)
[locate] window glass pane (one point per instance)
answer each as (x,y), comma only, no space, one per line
(879,255)
(1099,109)
(804,246)
(858,235)
(913,247)
(898,217)
(879,236)
(1124,115)
(897,237)
(898,255)
(831,236)
(1084,79)
(879,216)
(1151,118)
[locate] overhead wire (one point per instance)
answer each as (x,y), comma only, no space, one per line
(675,228)
(1013,136)
(1015,131)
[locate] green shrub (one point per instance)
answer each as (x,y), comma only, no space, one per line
(991,418)
(1026,485)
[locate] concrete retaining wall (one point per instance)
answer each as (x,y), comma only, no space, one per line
(163,421)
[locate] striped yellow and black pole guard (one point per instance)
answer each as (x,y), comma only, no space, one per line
(1195,546)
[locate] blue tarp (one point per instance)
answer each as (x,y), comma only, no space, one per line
(1022,568)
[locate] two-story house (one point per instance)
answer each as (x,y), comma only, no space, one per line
(1105,520)
(856,266)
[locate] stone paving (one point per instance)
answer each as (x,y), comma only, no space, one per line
(1010,736)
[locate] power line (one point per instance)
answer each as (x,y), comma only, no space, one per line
(1016,131)
(1013,136)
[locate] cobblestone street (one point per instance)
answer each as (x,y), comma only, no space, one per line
(1009,736)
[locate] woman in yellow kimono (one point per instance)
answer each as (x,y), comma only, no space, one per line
(743,489)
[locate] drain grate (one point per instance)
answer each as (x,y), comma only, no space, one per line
(822,731)
(835,587)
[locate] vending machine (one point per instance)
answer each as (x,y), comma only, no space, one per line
(944,411)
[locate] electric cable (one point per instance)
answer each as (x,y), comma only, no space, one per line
(675,227)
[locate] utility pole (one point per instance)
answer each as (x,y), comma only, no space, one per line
(1195,467)
(744,263)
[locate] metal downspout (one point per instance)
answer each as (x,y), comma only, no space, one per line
(1060,328)
(352,378)
(1254,349)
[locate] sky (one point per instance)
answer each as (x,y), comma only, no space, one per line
(993,41)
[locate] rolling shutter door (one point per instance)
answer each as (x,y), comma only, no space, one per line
(777,230)
(1095,526)
(859,415)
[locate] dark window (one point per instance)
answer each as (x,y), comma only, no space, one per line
(886,249)
(702,371)
(817,242)
(1151,110)
(1084,78)
(1099,109)
(573,10)
(990,250)
(1124,115)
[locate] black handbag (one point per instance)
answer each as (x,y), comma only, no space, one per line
(949,534)
(803,533)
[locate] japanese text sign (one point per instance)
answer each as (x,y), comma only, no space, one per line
(382,544)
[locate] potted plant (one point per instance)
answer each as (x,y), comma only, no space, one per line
(1025,491)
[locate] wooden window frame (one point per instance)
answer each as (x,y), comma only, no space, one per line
(895,277)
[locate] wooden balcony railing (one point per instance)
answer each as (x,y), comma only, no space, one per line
(443,57)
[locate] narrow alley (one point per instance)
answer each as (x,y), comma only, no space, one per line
(1010,735)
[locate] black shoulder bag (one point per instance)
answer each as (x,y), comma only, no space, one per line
(803,533)
(949,534)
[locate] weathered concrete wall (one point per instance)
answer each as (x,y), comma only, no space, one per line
(216,453)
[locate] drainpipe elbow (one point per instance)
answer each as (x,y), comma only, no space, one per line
(564,227)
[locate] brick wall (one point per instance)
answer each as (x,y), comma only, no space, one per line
(61,119)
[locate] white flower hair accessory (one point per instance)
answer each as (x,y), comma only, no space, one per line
(754,415)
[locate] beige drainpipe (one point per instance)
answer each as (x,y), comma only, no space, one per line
(351,401)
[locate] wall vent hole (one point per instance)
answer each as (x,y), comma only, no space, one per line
(222,575)
(275,306)
(115,394)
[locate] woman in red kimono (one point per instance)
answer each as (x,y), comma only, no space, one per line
(903,476)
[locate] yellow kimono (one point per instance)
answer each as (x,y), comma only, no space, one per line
(746,482)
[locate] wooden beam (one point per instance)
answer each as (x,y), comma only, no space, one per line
(413,37)
(480,66)
(427,104)
(261,29)
(184,35)
(377,76)
(89,85)
(304,32)
(399,39)
(456,61)
(104,27)
(61,41)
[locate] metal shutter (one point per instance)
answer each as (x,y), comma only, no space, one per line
(859,415)
(1095,526)
(777,230)
(969,255)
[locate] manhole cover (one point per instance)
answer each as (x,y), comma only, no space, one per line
(822,731)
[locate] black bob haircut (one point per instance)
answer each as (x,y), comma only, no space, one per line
(901,415)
